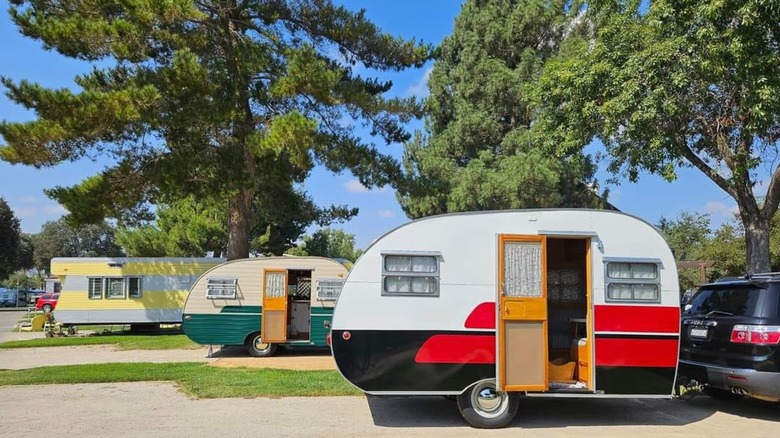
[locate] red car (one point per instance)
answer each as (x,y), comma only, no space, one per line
(47,302)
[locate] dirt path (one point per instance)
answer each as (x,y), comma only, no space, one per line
(22,358)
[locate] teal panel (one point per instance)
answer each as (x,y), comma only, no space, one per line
(220,329)
(241,309)
(319,331)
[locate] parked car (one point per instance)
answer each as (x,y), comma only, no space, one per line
(47,302)
(7,298)
(731,338)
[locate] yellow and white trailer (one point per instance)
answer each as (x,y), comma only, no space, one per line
(139,291)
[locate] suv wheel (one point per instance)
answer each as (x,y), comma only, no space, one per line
(721,394)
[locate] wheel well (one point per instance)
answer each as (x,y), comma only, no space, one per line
(249,337)
(474,383)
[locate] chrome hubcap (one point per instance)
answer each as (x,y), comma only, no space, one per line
(487,398)
(260,345)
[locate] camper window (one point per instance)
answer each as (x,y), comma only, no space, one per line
(411,275)
(630,281)
(96,288)
(115,288)
(134,287)
(329,289)
(221,288)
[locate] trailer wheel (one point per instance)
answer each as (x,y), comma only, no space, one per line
(258,348)
(485,407)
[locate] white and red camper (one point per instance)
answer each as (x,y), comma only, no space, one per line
(487,306)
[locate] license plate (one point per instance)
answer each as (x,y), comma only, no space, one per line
(698,332)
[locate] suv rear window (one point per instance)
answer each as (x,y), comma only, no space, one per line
(737,301)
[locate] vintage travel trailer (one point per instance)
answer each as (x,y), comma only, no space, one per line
(265,302)
(125,290)
(487,306)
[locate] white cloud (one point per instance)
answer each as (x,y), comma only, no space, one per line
(29,200)
(354,186)
(54,210)
(25,212)
(420,89)
(717,207)
(385,213)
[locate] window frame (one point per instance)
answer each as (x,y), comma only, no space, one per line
(105,288)
(234,286)
(140,287)
(329,280)
(435,275)
(632,282)
(90,293)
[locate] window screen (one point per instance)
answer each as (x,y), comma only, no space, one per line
(221,288)
(115,288)
(410,275)
(95,288)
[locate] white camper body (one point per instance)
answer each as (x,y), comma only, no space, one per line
(487,305)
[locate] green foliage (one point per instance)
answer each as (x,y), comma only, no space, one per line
(186,228)
(9,240)
(195,379)
(61,239)
(21,280)
(229,101)
(328,242)
(682,83)
(481,151)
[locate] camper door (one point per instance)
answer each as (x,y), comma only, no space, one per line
(522,316)
(274,324)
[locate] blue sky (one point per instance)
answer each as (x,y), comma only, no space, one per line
(431,21)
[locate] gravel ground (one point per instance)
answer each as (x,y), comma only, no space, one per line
(158,409)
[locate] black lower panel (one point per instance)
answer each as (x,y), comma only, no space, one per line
(635,380)
(375,360)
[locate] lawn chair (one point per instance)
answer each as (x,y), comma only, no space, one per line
(35,325)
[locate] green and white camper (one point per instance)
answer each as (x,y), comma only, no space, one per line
(264,302)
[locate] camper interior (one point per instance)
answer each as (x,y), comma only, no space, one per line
(568,290)
(299,289)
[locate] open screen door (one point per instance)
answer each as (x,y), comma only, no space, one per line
(274,325)
(522,318)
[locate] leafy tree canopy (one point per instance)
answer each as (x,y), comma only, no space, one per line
(60,239)
(480,151)
(216,99)
(9,240)
(328,242)
(678,83)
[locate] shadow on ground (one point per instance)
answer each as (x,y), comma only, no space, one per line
(542,413)
(240,351)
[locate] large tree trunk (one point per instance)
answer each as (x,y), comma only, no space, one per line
(757,240)
(239,223)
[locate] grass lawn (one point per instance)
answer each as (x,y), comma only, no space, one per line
(122,342)
(194,379)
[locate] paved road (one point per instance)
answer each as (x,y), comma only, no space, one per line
(158,409)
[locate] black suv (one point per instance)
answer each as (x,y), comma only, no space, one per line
(731,337)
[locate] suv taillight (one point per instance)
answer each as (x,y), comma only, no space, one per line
(755,334)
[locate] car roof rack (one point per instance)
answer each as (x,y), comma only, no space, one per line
(763,275)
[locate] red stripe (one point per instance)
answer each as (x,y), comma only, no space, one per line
(647,319)
(458,349)
(482,317)
(637,352)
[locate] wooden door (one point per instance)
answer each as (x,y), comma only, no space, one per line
(522,318)
(274,325)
